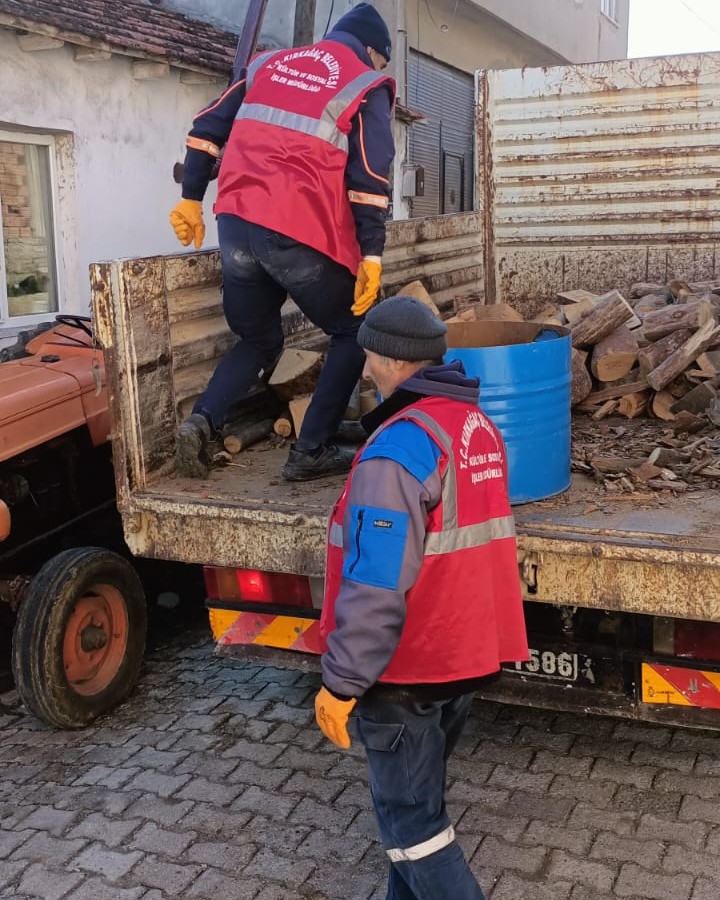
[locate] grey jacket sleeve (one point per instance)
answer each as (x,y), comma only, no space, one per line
(379,569)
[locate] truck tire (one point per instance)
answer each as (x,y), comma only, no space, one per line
(79,637)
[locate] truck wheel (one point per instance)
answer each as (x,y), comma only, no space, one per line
(79,637)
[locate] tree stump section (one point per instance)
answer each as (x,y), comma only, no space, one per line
(681,315)
(240,437)
(296,373)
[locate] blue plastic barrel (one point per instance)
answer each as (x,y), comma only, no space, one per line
(525,377)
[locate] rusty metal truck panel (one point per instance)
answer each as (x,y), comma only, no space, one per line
(594,174)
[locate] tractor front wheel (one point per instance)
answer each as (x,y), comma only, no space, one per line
(79,637)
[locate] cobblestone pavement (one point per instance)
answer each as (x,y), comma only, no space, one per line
(213,783)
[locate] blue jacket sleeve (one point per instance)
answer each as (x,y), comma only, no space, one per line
(367,173)
(209,133)
(383,538)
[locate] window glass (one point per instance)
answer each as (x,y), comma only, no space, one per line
(26,223)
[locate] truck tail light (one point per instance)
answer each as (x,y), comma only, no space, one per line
(687,639)
(254,586)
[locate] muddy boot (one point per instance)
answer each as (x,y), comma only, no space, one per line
(192,454)
(304,465)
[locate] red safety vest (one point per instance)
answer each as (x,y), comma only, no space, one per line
(284,163)
(464,612)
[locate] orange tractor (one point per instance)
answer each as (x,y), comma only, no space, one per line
(77,604)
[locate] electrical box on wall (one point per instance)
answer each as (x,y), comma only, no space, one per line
(413,181)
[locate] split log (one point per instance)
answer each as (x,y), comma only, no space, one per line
(611,311)
(610,393)
(641,288)
(709,362)
(678,289)
(615,355)
(283,426)
(575,311)
(633,405)
(649,303)
(581,384)
(697,400)
(661,404)
(298,408)
(497,311)
(615,465)
(688,422)
(680,315)
(417,290)
(576,296)
(239,437)
(296,373)
(609,406)
(664,456)
(687,353)
(650,357)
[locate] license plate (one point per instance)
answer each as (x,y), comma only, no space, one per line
(558,666)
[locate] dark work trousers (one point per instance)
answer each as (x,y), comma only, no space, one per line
(407,745)
(259,268)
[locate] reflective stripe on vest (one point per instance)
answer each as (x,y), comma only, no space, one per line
(255,64)
(452,537)
(335,537)
(325,127)
(420,851)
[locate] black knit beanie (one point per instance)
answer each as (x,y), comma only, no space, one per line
(403,328)
(367,25)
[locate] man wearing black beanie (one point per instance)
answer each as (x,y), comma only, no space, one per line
(422,592)
(303,194)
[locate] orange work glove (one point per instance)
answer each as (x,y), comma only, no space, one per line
(187,222)
(367,284)
(331,715)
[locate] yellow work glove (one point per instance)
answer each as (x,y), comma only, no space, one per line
(367,284)
(331,715)
(187,222)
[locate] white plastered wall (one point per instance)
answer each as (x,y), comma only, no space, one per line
(118,139)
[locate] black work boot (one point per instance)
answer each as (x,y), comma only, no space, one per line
(304,465)
(192,454)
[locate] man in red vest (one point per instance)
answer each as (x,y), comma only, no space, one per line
(303,195)
(422,592)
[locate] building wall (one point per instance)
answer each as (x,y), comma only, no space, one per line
(117,142)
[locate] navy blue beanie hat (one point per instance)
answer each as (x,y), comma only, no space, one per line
(367,25)
(403,328)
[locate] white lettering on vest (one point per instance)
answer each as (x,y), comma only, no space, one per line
(473,422)
(299,79)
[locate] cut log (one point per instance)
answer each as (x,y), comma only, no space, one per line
(649,303)
(680,315)
(615,355)
(497,311)
(576,296)
(239,437)
(697,400)
(663,457)
(611,311)
(575,311)
(633,405)
(687,353)
(661,404)
(641,288)
(283,426)
(298,408)
(687,422)
(678,289)
(709,362)
(609,406)
(581,381)
(610,393)
(650,357)
(417,290)
(614,465)
(368,401)
(296,373)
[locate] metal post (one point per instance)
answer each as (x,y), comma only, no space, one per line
(304,28)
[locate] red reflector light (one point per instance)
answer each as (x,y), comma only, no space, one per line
(254,586)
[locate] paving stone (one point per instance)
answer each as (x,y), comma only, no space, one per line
(255,799)
(268,833)
(574,840)
(159,783)
(586,815)
(701,864)
(202,789)
(53,821)
(162,841)
(481,823)
(10,841)
(343,849)
(212,820)
(213,885)
(641,732)
(544,761)
(111,832)
(654,802)
(42,848)
(97,889)
(662,758)
(514,887)
(348,883)
(544,740)
(327,790)
(705,889)
(635,881)
(226,855)
(317,815)
(268,865)
(511,778)
(622,848)
(640,777)
(161,760)
(106,776)
(598,793)
(42,882)
(262,754)
(171,878)
(529,860)
(157,809)
(111,864)
(705,787)
(10,871)
(596,875)
(693,809)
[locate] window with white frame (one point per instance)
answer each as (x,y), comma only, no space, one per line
(28,260)
(609,8)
